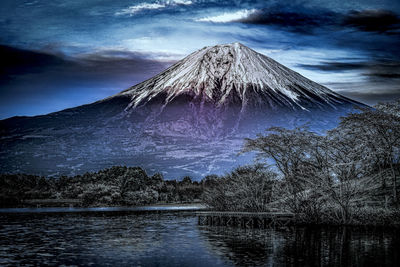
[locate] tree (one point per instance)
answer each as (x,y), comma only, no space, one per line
(290,151)
(379,133)
(312,167)
(247,188)
(186,180)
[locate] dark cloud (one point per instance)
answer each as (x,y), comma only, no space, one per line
(384,70)
(294,18)
(371,97)
(372,34)
(304,19)
(382,21)
(15,61)
(372,69)
(385,75)
(333,66)
(21,62)
(37,82)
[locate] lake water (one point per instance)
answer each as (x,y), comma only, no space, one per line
(120,237)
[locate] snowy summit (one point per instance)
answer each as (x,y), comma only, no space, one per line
(233,72)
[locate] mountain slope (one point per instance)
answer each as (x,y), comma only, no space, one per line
(189,119)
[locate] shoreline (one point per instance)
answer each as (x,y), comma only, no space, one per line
(182,207)
(139,208)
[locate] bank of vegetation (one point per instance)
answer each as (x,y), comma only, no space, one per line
(349,175)
(116,186)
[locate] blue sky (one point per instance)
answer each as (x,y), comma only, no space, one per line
(59,54)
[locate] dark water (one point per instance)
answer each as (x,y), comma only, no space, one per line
(170,238)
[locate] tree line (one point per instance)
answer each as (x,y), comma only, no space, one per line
(110,187)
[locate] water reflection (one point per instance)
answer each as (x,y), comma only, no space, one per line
(145,238)
(305,246)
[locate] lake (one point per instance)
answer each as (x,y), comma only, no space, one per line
(171,237)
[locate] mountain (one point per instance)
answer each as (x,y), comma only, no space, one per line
(190,119)
(234,74)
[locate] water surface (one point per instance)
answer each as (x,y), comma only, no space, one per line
(172,238)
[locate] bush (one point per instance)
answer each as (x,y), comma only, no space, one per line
(248,188)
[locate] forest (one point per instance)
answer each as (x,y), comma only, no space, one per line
(349,175)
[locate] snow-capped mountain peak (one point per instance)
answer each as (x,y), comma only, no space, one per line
(216,73)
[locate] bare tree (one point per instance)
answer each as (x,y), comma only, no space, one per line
(378,131)
(288,149)
(247,188)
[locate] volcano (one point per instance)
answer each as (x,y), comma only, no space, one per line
(190,119)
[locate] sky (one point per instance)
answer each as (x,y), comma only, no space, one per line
(59,54)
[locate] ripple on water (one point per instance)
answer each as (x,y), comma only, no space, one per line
(175,239)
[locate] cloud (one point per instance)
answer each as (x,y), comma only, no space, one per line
(295,18)
(132,10)
(229,17)
(16,61)
(292,17)
(384,70)
(371,97)
(180,2)
(19,62)
(35,82)
(372,69)
(383,21)
(135,9)
(334,66)
(304,19)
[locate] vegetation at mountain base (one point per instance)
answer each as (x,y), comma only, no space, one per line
(350,175)
(110,187)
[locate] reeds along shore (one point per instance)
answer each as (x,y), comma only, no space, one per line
(257,189)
